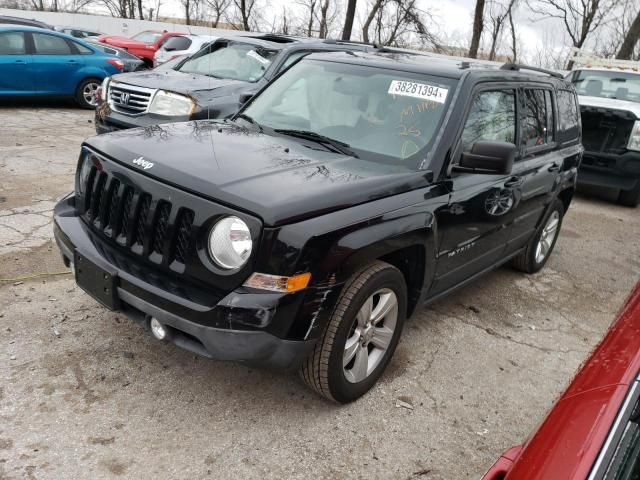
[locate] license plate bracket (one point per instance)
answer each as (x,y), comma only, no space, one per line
(96,281)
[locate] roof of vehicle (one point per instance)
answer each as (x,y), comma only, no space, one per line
(8,19)
(630,70)
(282,42)
(26,28)
(441,65)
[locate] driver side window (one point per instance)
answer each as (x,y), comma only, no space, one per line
(492,117)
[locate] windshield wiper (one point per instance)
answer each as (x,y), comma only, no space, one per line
(337,145)
(247,118)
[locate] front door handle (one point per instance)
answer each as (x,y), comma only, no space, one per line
(514,182)
(21,62)
(554,168)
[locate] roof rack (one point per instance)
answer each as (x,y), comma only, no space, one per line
(518,67)
(334,41)
(589,59)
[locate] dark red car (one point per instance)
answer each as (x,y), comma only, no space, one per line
(593,430)
(143,45)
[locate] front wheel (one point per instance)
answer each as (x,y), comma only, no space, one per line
(361,335)
(630,198)
(541,245)
(86,93)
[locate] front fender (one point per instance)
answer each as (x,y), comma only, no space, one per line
(333,247)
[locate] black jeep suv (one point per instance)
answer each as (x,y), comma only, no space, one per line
(303,231)
(211,84)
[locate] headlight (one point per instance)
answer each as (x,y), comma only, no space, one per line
(85,170)
(171,104)
(230,243)
(634,138)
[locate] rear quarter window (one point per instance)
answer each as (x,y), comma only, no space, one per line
(568,116)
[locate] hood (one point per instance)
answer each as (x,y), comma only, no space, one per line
(276,178)
(185,83)
(117,41)
(610,103)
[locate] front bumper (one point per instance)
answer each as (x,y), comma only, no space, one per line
(214,332)
(107,120)
(621,171)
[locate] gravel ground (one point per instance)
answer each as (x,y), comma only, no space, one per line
(85,393)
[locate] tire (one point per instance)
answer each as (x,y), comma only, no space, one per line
(324,370)
(529,261)
(83,90)
(630,198)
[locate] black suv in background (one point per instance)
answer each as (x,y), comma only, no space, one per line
(303,231)
(211,84)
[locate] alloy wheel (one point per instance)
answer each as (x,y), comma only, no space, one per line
(89,93)
(547,237)
(370,335)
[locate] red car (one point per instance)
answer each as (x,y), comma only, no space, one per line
(593,430)
(143,45)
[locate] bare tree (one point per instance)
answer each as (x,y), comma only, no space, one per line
(218,9)
(324,9)
(498,13)
(630,40)
(244,9)
(514,39)
(310,7)
(375,8)
(580,18)
(398,22)
(478,26)
(348,19)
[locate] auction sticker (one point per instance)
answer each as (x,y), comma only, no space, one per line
(418,90)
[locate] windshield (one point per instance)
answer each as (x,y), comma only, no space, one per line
(235,61)
(147,37)
(607,84)
(383,115)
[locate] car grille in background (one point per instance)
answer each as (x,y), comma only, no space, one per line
(128,99)
(606,130)
(147,226)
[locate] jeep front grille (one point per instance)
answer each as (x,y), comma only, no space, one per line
(128,99)
(148,227)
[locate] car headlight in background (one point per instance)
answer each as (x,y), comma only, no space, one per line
(101,93)
(230,243)
(634,138)
(171,104)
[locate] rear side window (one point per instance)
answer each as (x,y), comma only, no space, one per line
(50,45)
(492,117)
(537,126)
(12,43)
(568,116)
(177,43)
(82,49)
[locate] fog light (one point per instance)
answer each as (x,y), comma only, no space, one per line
(159,331)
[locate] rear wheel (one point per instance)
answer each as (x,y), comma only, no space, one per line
(630,198)
(361,336)
(541,245)
(86,92)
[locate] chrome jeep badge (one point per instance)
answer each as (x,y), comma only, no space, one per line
(140,161)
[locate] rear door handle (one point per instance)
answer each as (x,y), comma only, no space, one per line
(21,62)
(514,182)
(72,61)
(554,168)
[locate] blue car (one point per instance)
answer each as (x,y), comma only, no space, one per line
(38,62)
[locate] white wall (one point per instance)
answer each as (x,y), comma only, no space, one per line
(118,26)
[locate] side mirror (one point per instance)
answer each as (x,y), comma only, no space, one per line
(488,157)
(245,97)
